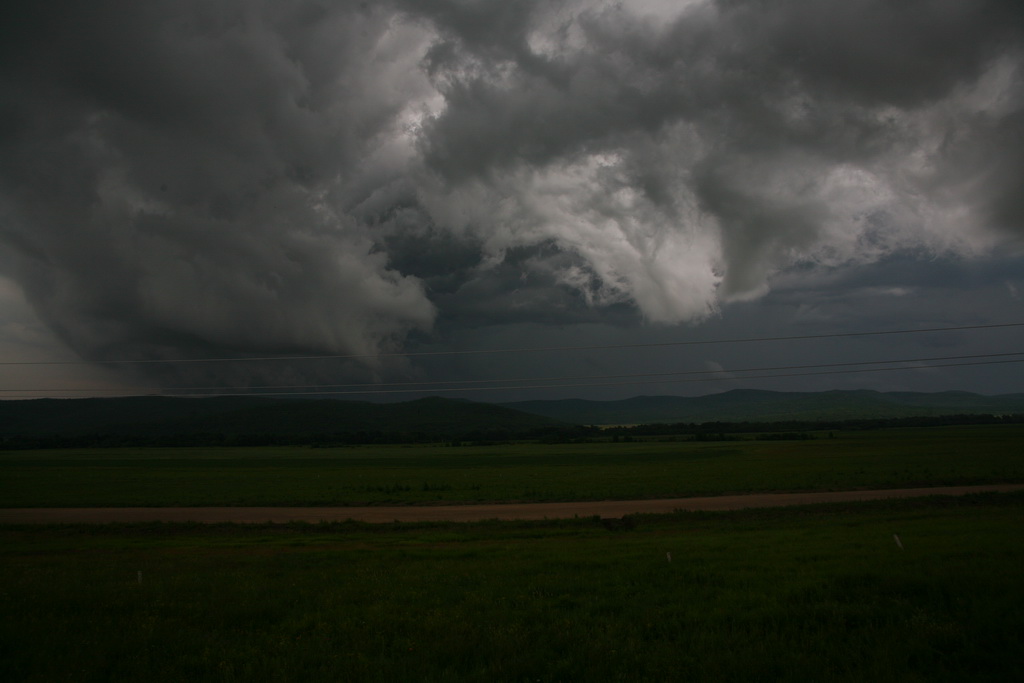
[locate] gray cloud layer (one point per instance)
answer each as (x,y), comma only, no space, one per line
(238,176)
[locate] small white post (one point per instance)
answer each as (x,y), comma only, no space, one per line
(140,577)
(899,544)
(669,556)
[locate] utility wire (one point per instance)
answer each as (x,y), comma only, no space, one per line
(742,340)
(617,383)
(681,380)
(496,383)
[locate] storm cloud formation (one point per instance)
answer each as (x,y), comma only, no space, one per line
(235,176)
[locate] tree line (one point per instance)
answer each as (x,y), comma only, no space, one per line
(705,431)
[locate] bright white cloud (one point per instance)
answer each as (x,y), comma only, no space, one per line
(285,175)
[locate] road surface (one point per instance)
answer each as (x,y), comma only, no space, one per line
(465,513)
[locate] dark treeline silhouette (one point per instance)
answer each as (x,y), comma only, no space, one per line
(353,438)
(254,421)
(800,429)
(704,432)
(757,405)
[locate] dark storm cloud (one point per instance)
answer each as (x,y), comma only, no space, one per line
(177,175)
(238,176)
(784,131)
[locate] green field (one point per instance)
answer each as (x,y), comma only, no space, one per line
(801,594)
(519,472)
(815,593)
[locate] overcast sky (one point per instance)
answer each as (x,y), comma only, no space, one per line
(237,178)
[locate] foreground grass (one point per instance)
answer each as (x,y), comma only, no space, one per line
(818,593)
(521,472)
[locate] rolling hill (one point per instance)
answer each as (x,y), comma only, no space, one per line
(161,419)
(748,405)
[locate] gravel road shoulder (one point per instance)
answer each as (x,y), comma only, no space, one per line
(465,513)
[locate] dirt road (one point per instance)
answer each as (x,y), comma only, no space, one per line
(464,513)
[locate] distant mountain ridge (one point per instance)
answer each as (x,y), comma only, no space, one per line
(252,420)
(164,418)
(754,405)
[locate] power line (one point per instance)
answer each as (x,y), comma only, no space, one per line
(683,380)
(467,352)
(496,383)
(620,383)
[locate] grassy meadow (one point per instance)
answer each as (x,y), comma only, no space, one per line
(813,593)
(415,474)
(800,594)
